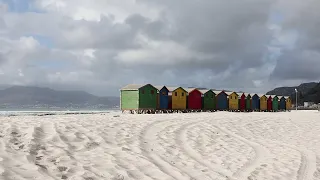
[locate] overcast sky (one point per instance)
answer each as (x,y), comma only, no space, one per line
(101,45)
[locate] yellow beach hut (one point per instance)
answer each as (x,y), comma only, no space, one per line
(233,101)
(263,102)
(179,99)
(288,103)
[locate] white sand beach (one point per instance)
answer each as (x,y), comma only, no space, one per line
(200,146)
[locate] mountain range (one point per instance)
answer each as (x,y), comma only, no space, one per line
(19,97)
(307,92)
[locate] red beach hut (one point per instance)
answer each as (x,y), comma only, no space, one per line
(269,103)
(242,105)
(194,99)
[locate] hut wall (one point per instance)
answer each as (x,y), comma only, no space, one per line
(209,100)
(263,103)
(282,104)
(129,99)
(170,102)
(222,101)
(233,101)
(288,104)
(179,99)
(148,97)
(164,98)
(242,102)
(255,102)
(269,104)
(248,103)
(275,104)
(194,100)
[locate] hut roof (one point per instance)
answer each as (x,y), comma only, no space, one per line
(203,91)
(260,95)
(230,92)
(175,88)
(247,94)
(189,90)
(217,92)
(133,86)
(273,96)
(160,87)
(171,88)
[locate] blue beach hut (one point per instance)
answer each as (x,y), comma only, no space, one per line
(163,97)
(222,100)
(282,104)
(255,102)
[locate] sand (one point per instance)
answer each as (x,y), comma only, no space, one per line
(199,146)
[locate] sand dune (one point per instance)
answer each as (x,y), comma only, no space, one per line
(202,146)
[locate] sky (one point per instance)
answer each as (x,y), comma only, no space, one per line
(102,45)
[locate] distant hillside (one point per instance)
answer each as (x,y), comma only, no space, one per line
(306,92)
(31,97)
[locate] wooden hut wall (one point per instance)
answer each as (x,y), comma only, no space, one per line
(248,102)
(233,101)
(255,102)
(222,101)
(282,104)
(269,103)
(164,98)
(275,103)
(179,99)
(242,105)
(263,103)
(194,100)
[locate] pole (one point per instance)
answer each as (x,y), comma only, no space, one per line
(296,99)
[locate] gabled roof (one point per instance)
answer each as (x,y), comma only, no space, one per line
(161,87)
(247,94)
(135,86)
(178,88)
(231,92)
(217,92)
(189,90)
(171,88)
(260,95)
(273,96)
(228,92)
(203,91)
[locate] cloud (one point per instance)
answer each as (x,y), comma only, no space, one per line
(302,61)
(103,45)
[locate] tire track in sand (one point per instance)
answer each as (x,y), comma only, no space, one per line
(261,154)
(308,158)
(181,139)
(148,137)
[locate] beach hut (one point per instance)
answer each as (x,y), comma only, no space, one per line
(233,101)
(288,103)
(209,99)
(255,102)
(275,103)
(138,97)
(242,103)
(222,100)
(282,104)
(263,102)
(269,102)
(179,99)
(163,97)
(248,101)
(194,99)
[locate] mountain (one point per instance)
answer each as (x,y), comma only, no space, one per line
(309,92)
(39,97)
